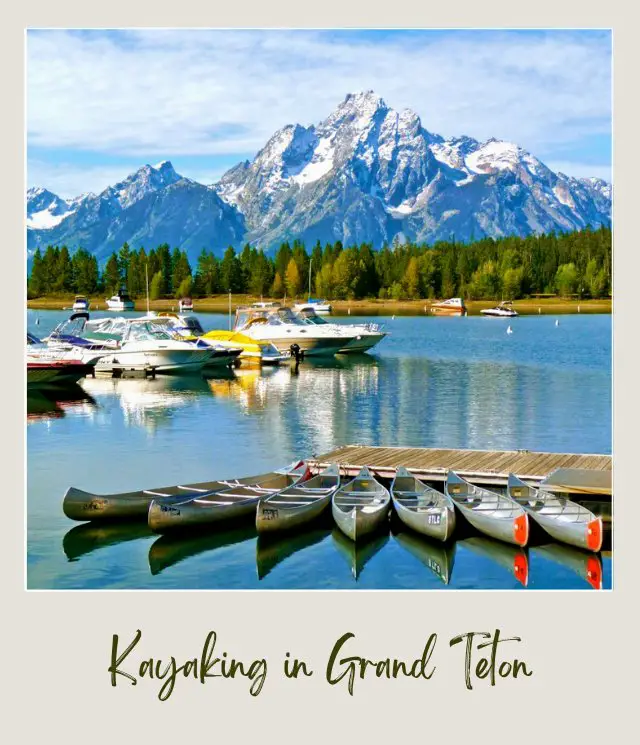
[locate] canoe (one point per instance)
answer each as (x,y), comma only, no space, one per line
(585,564)
(512,558)
(437,557)
(81,505)
(358,554)
(298,505)
(273,549)
(564,520)
(493,514)
(422,508)
(361,506)
(234,503)
(168,550)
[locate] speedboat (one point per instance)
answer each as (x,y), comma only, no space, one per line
(280,326)
(454,306)
(80,303)
(317,306)
(363,336)
(504,310)
(253,352)
(137,344)
(63,366)
(120,302)
(185,304)
(190,328)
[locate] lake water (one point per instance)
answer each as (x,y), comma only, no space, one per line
(434,382)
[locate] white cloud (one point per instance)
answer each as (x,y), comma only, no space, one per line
(212,92)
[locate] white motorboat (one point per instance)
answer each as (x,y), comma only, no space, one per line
(81,303)
(503,310)
(135,344)
(363,336)
(185,305)
(51,366)
(454,306)
(317,306)
(280,326)
(120,302)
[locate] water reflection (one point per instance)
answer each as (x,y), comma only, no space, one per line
(271,551)
(358,554)
(169,550)
(512,558)
(53,403)
(148,402)
(586,565)
(89,537)
(438,557)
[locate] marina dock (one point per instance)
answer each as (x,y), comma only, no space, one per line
(489,467)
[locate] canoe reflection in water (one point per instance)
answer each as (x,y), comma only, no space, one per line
(513,558)
(271,551)
(584,563)
(358,554)
(169,550)
(436,556)
(88,537)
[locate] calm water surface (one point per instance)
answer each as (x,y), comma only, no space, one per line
(434,382)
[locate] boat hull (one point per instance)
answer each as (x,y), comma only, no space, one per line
(162,360)
(166,517)
(509,530)
(435,522)
(52,374)
(357,524)
(362,343)
(271,518)
(311,346)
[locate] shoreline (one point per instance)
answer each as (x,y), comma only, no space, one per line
(220,304)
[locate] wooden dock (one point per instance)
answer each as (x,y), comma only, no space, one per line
(479,466)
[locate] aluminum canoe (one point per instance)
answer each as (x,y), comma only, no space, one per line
(422,508)
(361,506)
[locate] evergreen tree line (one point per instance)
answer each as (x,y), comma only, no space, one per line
(577,263)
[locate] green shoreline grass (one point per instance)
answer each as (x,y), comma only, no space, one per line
(220,304)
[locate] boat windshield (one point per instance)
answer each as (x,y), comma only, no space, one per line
(271,317)
(148,331)
(313,319)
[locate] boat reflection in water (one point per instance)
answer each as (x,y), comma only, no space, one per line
(169,550)
(54,403)
(271,551)
(438,557)
(513,558)
(358,554)
(584,563)
(147,402)
(89,537)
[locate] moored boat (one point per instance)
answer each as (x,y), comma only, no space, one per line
(502,310)
(454,306)
(80,303)
(564,520)
(422,508)
(235,502)
(299,504)
(280,326)
(316,306)
(361,337)
(253,352)
(120,302)
(81,505)
(493,514)
(56,367)
(185,304)
(361,506)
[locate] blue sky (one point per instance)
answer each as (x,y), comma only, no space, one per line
(102,103)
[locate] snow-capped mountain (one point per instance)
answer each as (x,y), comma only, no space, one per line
(369,173)
(365,173)
(151,206)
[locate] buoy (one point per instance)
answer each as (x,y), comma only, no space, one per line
(539,311)
(557,322)
(393,318)
(509,330)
